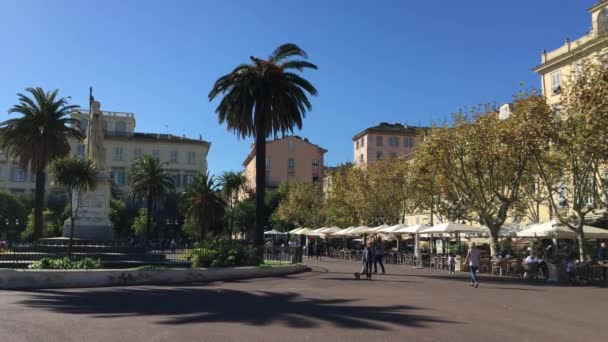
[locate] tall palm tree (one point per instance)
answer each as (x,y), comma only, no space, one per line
(203,203)
(40,135)
(149,181)
(74,175)
(232,183)
(264,98)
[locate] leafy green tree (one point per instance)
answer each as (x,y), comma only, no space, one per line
(578,150)
(203,203)
(244,217)
(37,137)
(12,210)
(232,183)
(149,181)
(264,98)
(51,226)
(484,158)
(302,206)
(143,224)
(75,176)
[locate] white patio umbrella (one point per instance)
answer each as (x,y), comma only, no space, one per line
(416,231)
(274,232)
(330,230)
(300,231)
(506,230)
(344,232)
(359,230)
(452,227)
(555,230)
(375,230)
(391,229)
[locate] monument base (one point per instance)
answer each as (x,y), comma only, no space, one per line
(88,232)
(92,221)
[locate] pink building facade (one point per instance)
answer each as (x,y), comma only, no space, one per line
(385,140)
(288,159)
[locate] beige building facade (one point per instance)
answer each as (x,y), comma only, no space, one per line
(567,61)
(287,160)
(186,157)
(385,140)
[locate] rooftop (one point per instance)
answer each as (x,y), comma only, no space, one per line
(252,152)
(155,137)
(394,128)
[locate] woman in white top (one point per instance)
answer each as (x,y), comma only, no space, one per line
(473,259)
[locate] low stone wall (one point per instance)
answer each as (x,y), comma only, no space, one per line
(46,279)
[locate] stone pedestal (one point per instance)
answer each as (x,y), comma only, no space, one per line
(92,221)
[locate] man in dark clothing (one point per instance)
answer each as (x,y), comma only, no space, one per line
(378,255)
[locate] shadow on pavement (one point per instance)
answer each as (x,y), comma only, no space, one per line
(187,305)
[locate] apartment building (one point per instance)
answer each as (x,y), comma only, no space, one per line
(186,157)
(567,60)
(385,140)
(288,159)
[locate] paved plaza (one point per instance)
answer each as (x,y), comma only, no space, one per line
(326,304)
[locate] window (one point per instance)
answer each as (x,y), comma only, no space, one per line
(379,155)
(188,180)
(81,151)
(137,153)
(119,177)
(120,128)
(577,68)
(118,153)
(379,140)
(393,141)
(156,154)
(602,21)
(176,180)
(357,144)
(291,164)
(315,165)
(556,83)
(417,220)
(267,163)
(105,126)
(291,145)
(173,157)
(408,142)
(17,174)
(361,160)
(362,141)
(191,158)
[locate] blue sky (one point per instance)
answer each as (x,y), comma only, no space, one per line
(394,60)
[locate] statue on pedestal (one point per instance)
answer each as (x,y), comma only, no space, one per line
(93,219)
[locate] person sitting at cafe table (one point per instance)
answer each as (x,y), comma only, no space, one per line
(529,263)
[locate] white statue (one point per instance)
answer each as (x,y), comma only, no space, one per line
(94,140)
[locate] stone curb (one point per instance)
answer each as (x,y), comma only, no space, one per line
(47,279)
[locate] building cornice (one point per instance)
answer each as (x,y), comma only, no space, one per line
(252,152)
(597,6)
(571,55)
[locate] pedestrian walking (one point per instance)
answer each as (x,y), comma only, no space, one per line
(473,259)
(452,263)
(379,250)
(366,262)
(310,249)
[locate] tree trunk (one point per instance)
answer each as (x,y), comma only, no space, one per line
(260,183)
(148,219)
(494,243)
(580,239)
(202,227)
(39,203)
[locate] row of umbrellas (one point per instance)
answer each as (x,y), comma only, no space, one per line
(549,229)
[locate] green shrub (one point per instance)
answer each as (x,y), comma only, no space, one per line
(222,253)
(65,263)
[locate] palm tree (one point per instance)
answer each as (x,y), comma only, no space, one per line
(74,175)
(264,98)
(40,135)
(149,181)
(232,183)
(203,203)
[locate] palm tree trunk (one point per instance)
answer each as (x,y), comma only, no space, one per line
(39,203)
(148,218)
(260,183)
